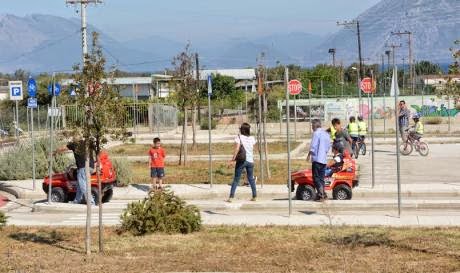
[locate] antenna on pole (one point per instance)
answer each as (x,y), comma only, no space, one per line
(83,4)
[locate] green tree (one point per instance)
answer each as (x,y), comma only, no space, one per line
(427,68)
(103,117)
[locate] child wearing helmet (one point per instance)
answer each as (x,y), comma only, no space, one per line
(353,130)
(362,126)
(335,164)
(416,131)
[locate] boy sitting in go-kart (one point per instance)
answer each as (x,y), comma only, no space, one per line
(336,163)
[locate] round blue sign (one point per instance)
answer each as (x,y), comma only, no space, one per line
(32,88)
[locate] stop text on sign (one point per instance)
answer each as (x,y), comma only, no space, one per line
(294,87)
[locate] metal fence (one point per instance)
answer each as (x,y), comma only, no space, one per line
(139,117)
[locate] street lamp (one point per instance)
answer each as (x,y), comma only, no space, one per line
(332,52)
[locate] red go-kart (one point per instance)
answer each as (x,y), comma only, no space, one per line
(340,183)
(64,186)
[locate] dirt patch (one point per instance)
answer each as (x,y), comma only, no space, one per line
(234,249)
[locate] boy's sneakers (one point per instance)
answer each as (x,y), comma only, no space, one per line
(229,200)
(253,199)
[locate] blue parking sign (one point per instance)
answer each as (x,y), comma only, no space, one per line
(15,90)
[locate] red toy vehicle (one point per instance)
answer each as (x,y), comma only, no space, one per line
(64,187)
(341,182)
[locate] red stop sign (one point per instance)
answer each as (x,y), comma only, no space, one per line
(367,85)
(294,87)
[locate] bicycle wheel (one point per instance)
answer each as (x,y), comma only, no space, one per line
(356,151)
(406,148)
(363,148)
(423,149)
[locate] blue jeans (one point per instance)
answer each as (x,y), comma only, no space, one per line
(319,170)
(239,167)
(81,186)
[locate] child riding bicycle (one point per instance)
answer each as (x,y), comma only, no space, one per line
(416,130)
(362,127)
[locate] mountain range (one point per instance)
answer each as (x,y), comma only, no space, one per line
(46,43)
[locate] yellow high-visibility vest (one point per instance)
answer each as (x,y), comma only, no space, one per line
(362,128)
(353,128)
(333,131)
(419,128)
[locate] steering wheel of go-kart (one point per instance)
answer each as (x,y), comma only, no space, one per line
(71,171)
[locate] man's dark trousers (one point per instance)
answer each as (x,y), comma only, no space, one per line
(318,178)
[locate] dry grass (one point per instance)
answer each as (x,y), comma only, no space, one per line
(197,172)
(202,149)
(235,249)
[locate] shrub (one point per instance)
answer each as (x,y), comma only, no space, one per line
(2,219)
(162,211)
(16,162)
(432,120)
(124,173)
(204,124)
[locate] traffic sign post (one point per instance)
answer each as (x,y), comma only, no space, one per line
(16,94)
(32,104)
(209,128)
(367,85)
(286,78)
(295,87)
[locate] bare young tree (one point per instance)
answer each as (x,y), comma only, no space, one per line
(186,96)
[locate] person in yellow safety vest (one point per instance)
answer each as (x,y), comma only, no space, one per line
(332,132)
(353,131)
(416,131)
(362,128)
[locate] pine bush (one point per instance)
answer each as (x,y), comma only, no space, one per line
(161,212)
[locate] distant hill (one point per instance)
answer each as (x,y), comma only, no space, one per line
(45,43)
(435,25)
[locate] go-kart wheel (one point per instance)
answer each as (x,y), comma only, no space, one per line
(423,149)
(305,192)
(107,196)
(405,148)
(95,194)
(58,195)
(342,192)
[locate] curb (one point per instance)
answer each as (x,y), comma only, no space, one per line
(330,205)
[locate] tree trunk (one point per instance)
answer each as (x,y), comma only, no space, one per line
(185,136)
(87,199)
(267,163)
(99,189)
(194,145)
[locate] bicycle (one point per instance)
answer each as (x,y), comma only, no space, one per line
(411,142)
(360,147)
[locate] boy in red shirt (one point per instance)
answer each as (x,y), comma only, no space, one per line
(157,164)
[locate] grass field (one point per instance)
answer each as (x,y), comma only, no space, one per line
(202,149)
(197,172)
(235,249)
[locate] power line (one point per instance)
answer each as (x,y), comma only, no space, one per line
(40,48)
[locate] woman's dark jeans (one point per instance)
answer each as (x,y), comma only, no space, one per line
(240,165)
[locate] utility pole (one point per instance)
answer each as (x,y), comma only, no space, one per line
(358,33)
(84,36)
(411,58)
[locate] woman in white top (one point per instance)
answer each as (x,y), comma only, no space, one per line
(248,142)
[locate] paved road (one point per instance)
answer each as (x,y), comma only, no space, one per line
(438,170)
(438,167)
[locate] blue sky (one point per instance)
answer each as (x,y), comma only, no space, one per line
(202,19)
